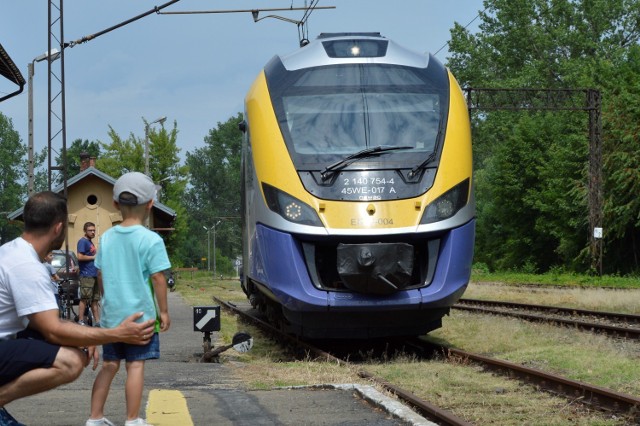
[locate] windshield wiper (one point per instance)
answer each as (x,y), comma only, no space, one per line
(368,152)
(425,163)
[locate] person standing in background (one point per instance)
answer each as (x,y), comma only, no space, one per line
(89,291)
(54,276)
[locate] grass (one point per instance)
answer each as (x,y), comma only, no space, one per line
(592,298)
(479,397)
(582,356)
(555,278)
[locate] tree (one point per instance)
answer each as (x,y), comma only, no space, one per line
(126,155)
(214,193)
(121,155)
(13,177)
(531,173)
(73,152)
(622,165)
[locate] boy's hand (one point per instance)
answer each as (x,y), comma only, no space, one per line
(93,353)
(165,321)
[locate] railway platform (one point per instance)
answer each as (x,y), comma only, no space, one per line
(179,391)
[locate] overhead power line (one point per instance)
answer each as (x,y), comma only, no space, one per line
(303,32)
(85,39)
(465,27)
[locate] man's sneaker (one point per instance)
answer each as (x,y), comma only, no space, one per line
(7,419)
(137,422)
(99,422)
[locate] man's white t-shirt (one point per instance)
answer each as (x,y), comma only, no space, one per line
(25,286)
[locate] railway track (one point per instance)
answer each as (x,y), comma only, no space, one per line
(424,408)
(613,324)
(594,396)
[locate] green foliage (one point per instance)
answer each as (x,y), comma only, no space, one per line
(76,148)
(172,177)
(214,194)
(480,268)
(556,276)
(125,155)
(621,119)
(531,168)
(12,178)
(121,155)
(41,174)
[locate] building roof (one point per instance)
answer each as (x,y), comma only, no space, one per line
(10,71)
(158,206)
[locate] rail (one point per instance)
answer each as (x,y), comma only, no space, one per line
(424,408)
(564,316)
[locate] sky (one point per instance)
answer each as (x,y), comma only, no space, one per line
(194,69)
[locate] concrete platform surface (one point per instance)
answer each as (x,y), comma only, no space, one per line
(182,392)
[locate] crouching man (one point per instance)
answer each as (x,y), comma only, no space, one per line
(38,350)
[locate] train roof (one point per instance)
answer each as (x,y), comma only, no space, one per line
(341,48)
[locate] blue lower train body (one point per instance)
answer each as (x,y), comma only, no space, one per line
(278,267)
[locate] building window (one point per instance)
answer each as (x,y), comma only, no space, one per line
(92,201)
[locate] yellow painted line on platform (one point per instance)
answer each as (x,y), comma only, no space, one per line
(168,408)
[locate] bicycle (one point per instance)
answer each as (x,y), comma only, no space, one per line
(89,319)
(66,305)
(66,301)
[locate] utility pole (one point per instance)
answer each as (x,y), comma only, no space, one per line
(51,56)
(588,100)
(160,120)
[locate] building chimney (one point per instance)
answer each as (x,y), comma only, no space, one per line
(84,161)
(92,162)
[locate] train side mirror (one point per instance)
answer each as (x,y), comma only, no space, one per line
(242,126)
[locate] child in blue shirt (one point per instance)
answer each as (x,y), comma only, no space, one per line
(129,255)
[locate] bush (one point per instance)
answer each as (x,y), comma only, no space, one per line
(480,268)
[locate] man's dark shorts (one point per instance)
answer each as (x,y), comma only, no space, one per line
(18,356)
(89,289)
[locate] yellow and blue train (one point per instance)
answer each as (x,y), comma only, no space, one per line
(357,203)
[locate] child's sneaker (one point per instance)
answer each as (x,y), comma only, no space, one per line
(99,422)
(137,422)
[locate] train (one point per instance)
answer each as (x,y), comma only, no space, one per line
(358,211)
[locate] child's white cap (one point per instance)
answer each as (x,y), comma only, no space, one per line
(139,185)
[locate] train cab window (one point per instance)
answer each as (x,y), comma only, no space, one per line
(331,111)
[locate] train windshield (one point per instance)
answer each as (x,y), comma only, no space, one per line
(329,112)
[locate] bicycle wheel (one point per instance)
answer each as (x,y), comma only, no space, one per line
(89,317)
(65,312)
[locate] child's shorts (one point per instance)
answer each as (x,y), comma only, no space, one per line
(118,351)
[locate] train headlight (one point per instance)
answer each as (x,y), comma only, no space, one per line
(348,48)
(447,204)
(289,207)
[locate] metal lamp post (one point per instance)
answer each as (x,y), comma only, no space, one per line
(208,250)
(146,142)
(52,56)
(214,248)
(209,229)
